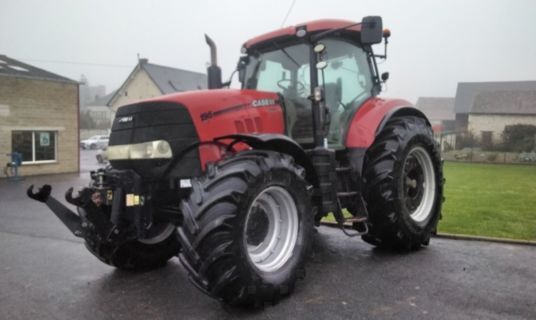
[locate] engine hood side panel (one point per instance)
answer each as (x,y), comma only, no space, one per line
(216,113)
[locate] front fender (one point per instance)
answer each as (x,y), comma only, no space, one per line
(279,143)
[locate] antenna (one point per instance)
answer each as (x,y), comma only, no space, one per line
(288,13)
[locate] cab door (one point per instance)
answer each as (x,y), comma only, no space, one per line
(347,82)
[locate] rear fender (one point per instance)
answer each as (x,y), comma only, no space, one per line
(402,111)
(370,119)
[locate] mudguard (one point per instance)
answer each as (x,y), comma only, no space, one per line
(279,143)
(369,120)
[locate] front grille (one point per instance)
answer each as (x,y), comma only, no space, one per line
(149,121)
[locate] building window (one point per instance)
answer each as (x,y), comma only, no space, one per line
(35,146)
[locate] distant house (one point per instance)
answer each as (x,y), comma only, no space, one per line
(149,80)
(99,111)
(440,112)
(100,114)
(90,93)
(38,118)
(493,111)
(468,91)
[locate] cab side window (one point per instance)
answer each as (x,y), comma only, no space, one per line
(273,74)
(348,83)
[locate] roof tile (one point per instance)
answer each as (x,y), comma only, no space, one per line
(467,91)
(170,80)
(505,102)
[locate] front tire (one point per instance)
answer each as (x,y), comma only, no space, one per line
(403,185)
(247,228)
(138,255)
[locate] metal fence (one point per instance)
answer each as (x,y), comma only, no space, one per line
(479,155)
(465,146)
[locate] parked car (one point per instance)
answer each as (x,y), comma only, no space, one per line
(95,142)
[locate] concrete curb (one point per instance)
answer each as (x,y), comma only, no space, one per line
(451,236)
(484,239)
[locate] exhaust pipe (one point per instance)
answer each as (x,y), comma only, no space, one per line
(213,71)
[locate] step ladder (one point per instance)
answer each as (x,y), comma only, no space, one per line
(328,173)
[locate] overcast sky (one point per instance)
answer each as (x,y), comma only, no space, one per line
(434,44)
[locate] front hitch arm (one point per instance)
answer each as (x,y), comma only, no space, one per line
(69,218)
(69,198)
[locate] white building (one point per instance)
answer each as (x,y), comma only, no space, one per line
(493,111)
(149,80)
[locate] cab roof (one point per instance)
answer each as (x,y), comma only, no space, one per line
(311,26)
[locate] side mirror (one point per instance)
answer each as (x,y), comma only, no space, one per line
(385,76)
(371,30)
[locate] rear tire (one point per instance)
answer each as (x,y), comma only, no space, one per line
(137,255)
(229,244)
(403,185)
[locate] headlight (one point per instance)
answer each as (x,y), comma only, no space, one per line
(159,149)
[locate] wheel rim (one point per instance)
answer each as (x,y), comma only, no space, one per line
(419,184)
(158,233)
(271,229)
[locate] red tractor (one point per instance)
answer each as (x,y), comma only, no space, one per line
(233,181)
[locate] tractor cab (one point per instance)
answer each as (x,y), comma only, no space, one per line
(331,64)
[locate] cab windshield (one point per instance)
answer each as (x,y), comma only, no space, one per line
(346,79)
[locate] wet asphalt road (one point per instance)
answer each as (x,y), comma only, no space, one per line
(46,273)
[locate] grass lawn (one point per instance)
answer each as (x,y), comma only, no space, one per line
(490,200)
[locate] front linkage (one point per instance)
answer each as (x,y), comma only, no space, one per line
(103,217)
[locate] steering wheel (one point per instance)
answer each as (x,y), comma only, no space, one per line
(300,87)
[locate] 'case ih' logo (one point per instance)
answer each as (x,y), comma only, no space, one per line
(262,102)
(125,119)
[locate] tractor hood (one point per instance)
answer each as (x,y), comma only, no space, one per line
(222,112)
(147,135)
